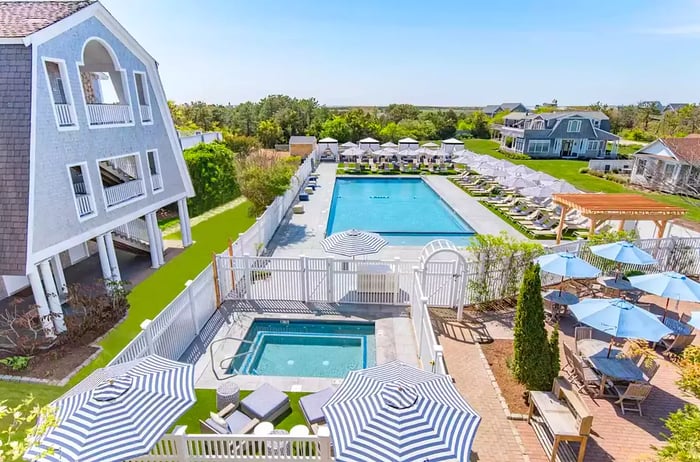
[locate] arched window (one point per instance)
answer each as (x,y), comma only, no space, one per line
(104,84)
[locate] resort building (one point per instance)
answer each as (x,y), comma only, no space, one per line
(301,145)
(568,135)
(670,165)
(492,109)
(88,149)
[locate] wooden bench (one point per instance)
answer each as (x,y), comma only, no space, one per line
(558,418)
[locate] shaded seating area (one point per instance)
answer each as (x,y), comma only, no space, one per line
(598,208)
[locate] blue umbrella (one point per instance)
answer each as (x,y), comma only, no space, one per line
(623,252)
(695,319)
(566,264)
(619,318)
(395,412)
(670,285)
(117,413)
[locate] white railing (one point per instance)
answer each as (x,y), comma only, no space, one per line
(109,114)
(64,114)
(156,181)
(134,229)
(84,204)
(188,141)
(123,192)
(599,165)
(146,115)
(181,447)
(127,164)
(429,350)
(79,188)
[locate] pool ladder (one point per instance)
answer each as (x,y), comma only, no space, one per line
(228,358)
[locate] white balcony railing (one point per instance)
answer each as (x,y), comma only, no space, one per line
(84,204)
(156,181)
(65,115)
(123,192)
(135,229)
(109,114)
(146,115)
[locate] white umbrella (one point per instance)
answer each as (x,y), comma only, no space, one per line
(562,187)
(520,170)
(539,177)
(517,182)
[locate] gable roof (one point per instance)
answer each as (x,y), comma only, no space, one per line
(674,106)
(408,141)
(511,106)
(516,115)
(328,140)
(491,108)
(599,115)
(685,149)
(368,140)
(302,139)
(452,141)
(22,18)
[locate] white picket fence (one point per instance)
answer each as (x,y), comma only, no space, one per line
(181,447)
(429,350)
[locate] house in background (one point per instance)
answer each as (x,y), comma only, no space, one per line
(301,145)
(88,150)
(567,135)
(493,109)
(673,107)
(670,165)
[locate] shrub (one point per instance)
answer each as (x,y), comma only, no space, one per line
(213,174)
(263,177)
(16,363)
(532,359)
(636,134)
(555,363)
(241,144)
(22,426)
(583,170)
(515,155)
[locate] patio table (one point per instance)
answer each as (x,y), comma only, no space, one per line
(561,297)
(618,284)
(613,368)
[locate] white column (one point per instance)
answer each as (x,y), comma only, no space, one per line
(57,268)
(104,258)
(42,305)
(185,228)
(52,296)
(112,255)
(158,241)
(152,246)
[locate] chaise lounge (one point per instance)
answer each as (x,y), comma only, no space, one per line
(312,407)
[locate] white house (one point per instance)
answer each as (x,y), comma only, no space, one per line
(670,165)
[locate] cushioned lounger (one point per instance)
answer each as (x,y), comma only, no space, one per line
(265,403)
(311,405)
(237,423)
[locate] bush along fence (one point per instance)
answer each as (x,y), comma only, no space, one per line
(171,332)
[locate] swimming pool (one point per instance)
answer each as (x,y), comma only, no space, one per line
(404,211)
(301,348)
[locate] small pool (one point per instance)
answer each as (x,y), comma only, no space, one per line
(301,348)
(404,211)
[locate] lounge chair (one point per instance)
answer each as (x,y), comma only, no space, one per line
(312,407)
(535,216)
(587,379)
(266,403)
(634,393)
(677,342)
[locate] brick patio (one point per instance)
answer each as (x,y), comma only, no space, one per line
(615,436)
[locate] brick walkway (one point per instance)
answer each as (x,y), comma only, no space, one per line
(496,437)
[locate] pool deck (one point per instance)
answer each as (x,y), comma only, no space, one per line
(394,339)
(301,234)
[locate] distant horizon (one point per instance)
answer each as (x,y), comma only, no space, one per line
(371,53)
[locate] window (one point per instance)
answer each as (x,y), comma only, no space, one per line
(593,145)
(641,166)
(154,170)
(538,147)
(668,171)
(142,96)
(82,191)
(122,181)
(596,123)
(573,126)
(61,98)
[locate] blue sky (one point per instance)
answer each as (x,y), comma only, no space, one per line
(375,52)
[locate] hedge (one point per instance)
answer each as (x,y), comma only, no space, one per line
(213,174)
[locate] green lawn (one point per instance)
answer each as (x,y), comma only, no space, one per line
(152,295)
(206,403)
(569,170)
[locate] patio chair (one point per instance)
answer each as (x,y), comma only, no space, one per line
(634,357)
(312,407)
(582,333)
(569,369)
(685,318)
(585,377)
(634,393)
(649,369)
(677,343)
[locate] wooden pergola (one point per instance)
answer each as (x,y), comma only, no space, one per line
(602,207)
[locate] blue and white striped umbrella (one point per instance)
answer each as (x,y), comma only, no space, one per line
(352,243)
(395,412)
(117,413)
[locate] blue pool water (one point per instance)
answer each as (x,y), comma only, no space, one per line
(299,348)
(404,211)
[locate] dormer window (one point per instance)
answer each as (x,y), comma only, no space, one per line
(61,96)
(105,87)
(144,100)
(538,124)
(574,126)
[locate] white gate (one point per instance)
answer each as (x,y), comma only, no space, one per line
(444,281)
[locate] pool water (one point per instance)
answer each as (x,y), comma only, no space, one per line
(300,348)
(404,211)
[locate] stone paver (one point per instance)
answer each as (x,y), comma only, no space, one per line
(496,440)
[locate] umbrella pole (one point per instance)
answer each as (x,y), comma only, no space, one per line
(610,346)
(663,318)
(561,285)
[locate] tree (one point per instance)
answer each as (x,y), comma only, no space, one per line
(213,173)
(245,118)
(645,111)
(399,112)
(336,128)
(477,123)
(269,133)
(532,361)
(262,178)
(240,144)
(554,360)
(21,426)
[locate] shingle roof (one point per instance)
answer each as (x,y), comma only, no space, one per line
(675,106)
(491,108)
(22,18)
(685,149)
(510,106)
(302,139)
(562,114)
(516,115)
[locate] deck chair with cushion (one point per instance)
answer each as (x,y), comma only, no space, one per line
(634,393)
(311,406)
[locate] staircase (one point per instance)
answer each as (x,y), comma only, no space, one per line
(132,237)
